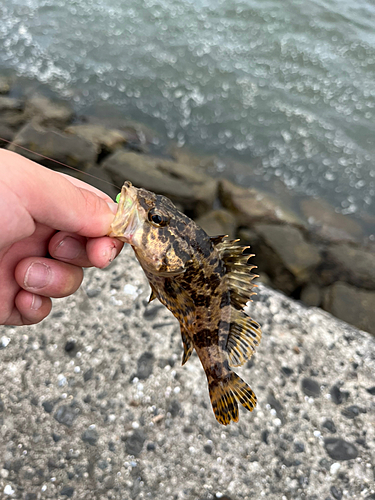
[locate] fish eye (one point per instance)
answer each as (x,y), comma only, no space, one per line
(157,218)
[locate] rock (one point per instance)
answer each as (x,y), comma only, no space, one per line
(338,396)
(134,442)
(187,157)
(285,255)
(174,408)
(339,449)
(355,266)
(105,139)
(336,493)
(352,411)
(11,113)
(311,295)
(47,112)
(329,425)
(66,415)
(218,222)
(90,436)
(353,305)
(67,491)
(70,149)
(145,365)
(370,390)
(183,184)
(4,85)
(310,387)
(6,133)
(328,224)
(10,103)
(48,406)
(250,205)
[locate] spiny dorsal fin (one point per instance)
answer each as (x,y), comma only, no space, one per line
(244,337)
(188,346)
(245,333)
(238,271)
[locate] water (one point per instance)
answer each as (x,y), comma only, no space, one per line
(291,82)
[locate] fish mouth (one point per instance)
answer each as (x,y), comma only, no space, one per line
(127,219)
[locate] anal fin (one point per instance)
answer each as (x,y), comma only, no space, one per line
(188,346)
(244,337)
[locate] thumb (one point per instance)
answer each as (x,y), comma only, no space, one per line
(56,201)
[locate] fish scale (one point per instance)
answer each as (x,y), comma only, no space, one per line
(205,282)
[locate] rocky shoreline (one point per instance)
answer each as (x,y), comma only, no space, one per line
(314,254)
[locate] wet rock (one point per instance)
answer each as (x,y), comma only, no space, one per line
(311,295)
(251,205)
(4,85)
(11,112)
(182,184)
(134,442)
(5,133)
(351,304)
(105,139)
(145,365)
(218,222)
(67,491)
(66,415)
(339,449)
(70,149)
(353,265)
(310,387)
(285,255)
(10,103)
(90,436)
(327,223)
(46,112)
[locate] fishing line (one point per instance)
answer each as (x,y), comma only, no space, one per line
(59,162)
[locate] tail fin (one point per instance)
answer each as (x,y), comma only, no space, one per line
(225,393)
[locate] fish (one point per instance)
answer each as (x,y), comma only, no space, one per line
(204,281)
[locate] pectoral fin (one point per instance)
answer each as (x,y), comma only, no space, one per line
(188,346)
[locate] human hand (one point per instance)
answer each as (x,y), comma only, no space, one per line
(42,213)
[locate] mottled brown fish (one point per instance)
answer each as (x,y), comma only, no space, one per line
(205,282)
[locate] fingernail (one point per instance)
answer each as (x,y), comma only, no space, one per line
(113,254)
(68,248)
(36,302)
(37,275)
(110,254)
(112,206)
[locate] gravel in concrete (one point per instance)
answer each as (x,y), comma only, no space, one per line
(95,405)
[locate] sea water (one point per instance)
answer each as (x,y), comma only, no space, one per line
(290,83)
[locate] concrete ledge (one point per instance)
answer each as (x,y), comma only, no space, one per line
(95,405)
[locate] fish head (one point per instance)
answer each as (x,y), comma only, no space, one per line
(155,229)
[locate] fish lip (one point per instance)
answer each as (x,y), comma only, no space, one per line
(127,219)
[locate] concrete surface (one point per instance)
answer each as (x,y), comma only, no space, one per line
(95,405)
